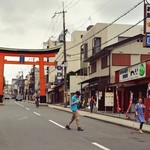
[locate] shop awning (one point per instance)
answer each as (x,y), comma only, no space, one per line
(58,85)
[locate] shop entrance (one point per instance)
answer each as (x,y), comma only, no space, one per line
(139,91)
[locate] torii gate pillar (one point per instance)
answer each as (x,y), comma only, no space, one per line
(42,80)
(1,77)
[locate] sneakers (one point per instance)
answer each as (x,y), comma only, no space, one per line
(67,127)
(141,131)
(80,129)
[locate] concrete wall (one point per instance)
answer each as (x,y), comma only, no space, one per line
(74,80)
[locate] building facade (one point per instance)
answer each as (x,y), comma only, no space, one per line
(110,59)
(55,90)
(98,53)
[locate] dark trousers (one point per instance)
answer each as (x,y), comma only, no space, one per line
(91,108)
(141,125)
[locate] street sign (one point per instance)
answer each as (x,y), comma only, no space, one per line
(147,18)
(59,74)
(59,67)
(59,80)
(147,44)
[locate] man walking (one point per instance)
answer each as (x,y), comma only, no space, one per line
(74,102)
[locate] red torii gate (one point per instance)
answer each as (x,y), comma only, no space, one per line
(40,53)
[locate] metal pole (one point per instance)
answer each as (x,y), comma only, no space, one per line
(65,60)
(33,77)
(64,52)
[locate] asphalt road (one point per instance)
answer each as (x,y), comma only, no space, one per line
(25,127)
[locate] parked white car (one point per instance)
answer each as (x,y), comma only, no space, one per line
(6,96)
(19,97)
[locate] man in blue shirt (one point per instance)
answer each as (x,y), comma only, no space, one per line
(74,102)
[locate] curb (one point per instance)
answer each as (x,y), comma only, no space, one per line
(110,119)
(2,104)
(40,104)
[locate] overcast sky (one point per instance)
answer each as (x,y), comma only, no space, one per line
(29,23)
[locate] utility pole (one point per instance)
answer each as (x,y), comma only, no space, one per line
(65,59)
(33,77)
(47,70)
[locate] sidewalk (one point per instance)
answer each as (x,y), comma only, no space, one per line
(110,118)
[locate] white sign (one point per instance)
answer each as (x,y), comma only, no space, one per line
(147,20)
(109,99)
(131,73)
(100,95)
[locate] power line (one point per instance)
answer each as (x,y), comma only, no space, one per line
(114,36)
(103,30)
(73,5)
(104,42)
(107,25)
(69,4)
(93,13)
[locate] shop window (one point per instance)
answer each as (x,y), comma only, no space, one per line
(121,59)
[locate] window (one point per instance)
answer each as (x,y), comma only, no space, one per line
(93,67)
(96,45)
(104,62)
(84,51)
(121,59)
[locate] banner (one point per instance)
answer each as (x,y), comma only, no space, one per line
(118,105)
(130,103)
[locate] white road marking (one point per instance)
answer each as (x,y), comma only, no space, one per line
(23,118)
(37,113)
(19,104)
(27,108)
(57,124)
(100,146)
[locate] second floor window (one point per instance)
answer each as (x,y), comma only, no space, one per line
(121,59)
(93,67)
(96,45)
(104,62)
(84,51)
